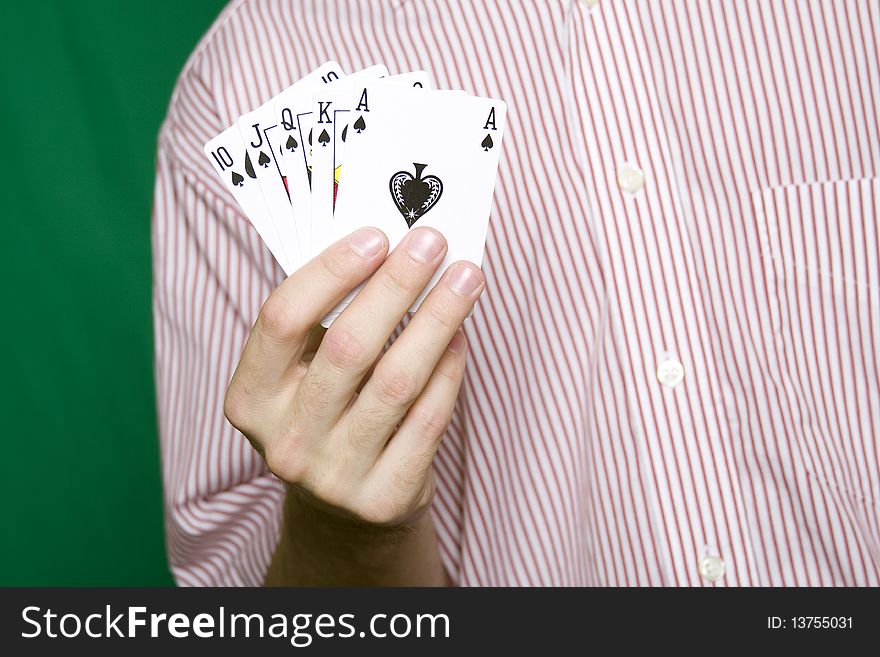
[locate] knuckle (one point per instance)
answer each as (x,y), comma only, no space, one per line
(277,317)
(431,421)
(285,463)
(452,368)
(234,405)
(404,275)
(395,386)
(342,349)
(241,405)
(336,265)
(407,478)
(443,311)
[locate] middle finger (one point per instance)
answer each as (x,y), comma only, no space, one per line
(356,339)
(401,374)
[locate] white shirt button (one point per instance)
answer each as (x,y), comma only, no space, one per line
(630,178)
(711,568)
(670,372)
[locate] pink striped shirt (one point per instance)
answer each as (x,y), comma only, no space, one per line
(674,374)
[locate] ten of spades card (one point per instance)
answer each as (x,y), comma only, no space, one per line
(227,154)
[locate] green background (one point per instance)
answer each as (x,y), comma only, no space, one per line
(83,89)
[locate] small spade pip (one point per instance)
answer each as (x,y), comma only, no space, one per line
(324,138)
(487,143)
(237,179)
(359,125)
(263,160)
(291,143)
(415,194)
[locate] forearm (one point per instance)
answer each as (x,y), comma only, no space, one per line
(317,548)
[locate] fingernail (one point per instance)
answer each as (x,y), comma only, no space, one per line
(458,344)
(424,245)
(464,279)
(367,241)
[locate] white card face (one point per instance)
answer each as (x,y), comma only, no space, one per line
(262,135)
(227,154)
(296,108)
(323,154)
(358,107)
(359,117)
(426,159)
(292,144)
(292,140)
(331,107)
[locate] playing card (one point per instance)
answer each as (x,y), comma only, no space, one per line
(240,175)
(335,104)
(294,107)
(325,101)
(413,79)
(261,136)
(427,159)
(292,148)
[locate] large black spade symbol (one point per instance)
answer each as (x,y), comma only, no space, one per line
(344,133)
(359,125)
(237,179)
(263,160)
(249,167)
(414,195)
(323,138)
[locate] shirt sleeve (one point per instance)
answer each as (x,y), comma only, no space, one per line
(211,273)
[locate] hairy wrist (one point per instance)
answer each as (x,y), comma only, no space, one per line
(320,546)
(335,528)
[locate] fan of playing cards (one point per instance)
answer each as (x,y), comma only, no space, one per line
(412,157)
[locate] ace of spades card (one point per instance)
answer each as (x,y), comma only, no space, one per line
(428,159)
(335,104)
(359,109)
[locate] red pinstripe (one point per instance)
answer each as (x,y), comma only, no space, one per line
(752,255)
